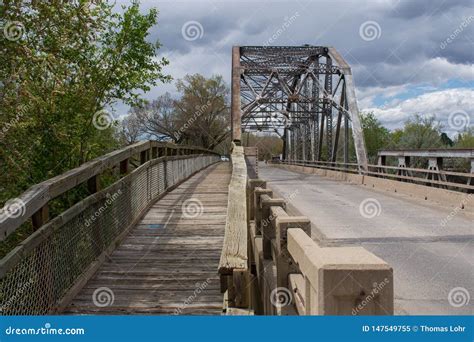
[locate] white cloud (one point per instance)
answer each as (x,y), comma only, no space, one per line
(440,104)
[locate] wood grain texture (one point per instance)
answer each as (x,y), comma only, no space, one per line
(167,264)
(234,253)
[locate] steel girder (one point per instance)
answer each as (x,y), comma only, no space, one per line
(305,94)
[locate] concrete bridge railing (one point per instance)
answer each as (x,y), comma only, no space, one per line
(434,175)
(44,272)
(270,265)
(296,276)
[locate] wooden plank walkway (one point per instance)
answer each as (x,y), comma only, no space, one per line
(168,262)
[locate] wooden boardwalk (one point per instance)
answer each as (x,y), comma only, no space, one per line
(168,262)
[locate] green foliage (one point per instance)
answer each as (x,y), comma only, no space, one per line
(73,59)
(421,132)
(465,139)
(203,110)
(268,145)
(376,136)
(63,63)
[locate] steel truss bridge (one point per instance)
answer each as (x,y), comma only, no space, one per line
(305,94)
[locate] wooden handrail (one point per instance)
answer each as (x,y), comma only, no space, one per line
(37,197)
(233,265)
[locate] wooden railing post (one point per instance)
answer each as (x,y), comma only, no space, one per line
(251,186)
(144,156)
(124,167)
(267,227)
(40,217)
(257,209)
(93,184)
(154,152)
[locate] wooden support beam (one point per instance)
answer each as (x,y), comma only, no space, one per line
(257,209)
(124,166)
(241,284)
(40,217)
(144,156)
(93,184)
(235,98)
(267,222)
(251,186)
(154,152)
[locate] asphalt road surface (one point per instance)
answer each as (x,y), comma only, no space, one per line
(432,256)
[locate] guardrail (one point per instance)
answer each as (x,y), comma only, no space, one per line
(432,177)
(44,272)
(34,201)
(233,265)
(296,276)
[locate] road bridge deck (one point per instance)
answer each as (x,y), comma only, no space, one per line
(430,254)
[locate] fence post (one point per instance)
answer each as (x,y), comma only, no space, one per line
(258,211)
(124,167)
(267,228)
(251,186)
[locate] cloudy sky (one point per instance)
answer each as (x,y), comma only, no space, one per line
(407,57)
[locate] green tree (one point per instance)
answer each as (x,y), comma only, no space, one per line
(376,136)
(61,63)
(421,132)
(203,110)
(465,139)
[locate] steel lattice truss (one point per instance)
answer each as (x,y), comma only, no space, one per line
(304,94)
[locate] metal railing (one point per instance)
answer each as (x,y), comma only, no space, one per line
(43,273)
(459,181)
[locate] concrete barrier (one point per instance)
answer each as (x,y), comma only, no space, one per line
(288,264)
(459,201)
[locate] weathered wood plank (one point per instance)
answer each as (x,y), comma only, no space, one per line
(234,253)
(167,263)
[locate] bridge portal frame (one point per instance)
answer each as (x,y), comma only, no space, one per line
(304,94)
